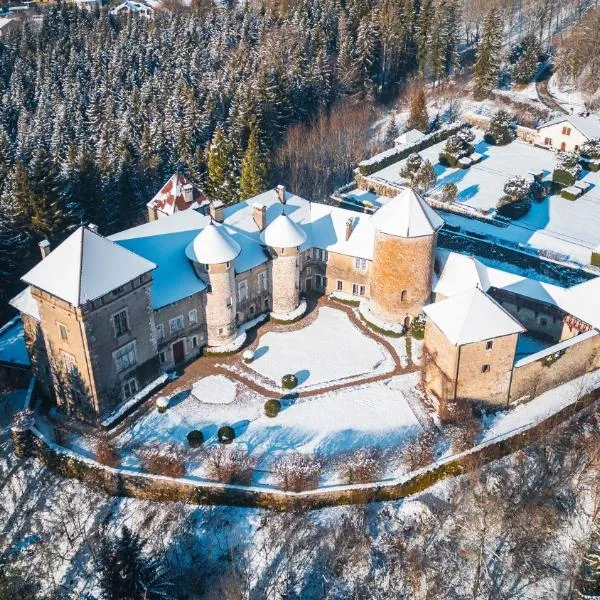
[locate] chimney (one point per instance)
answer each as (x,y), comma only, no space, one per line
(259,214)
(349,228)
(44,248)
(93,227)
(280,190)
(188,193)
(216,211)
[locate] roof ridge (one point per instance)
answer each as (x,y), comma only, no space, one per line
(80,277)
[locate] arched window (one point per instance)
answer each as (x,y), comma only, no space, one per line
(403,295)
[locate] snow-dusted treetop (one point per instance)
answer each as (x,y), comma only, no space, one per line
(213,245)
(283,233)
(471,316)
(407,215)
(86,266)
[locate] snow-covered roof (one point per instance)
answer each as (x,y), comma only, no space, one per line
(471,316)
(409,137)
(589,126)
(86,266)
(583,301)
(407,215)
(171,198)
(283,233)
(461,272)
(164,242)
(213,245)
(25,303)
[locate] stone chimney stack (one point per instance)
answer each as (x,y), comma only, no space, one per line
(349,228)
(44,248)
(93,227)
(216,211)
(188,193)
(280,190)
(259,213)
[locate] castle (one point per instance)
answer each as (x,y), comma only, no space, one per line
(105,316)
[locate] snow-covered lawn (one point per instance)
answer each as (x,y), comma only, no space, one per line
(215,389)
(330,348)
(374,415)
(570,228)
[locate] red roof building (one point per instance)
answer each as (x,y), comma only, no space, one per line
(178,194)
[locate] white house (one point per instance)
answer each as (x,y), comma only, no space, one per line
(408,137)
(568,132)
(140,8)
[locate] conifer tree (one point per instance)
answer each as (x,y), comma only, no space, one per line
(487,66)
(418,117)
(221,183)
(254,173)
(391,132)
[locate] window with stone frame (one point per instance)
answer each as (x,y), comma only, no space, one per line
(130,388)
(340,285)
(262,281)
(242,290)
(193,316)
(121,323)
(125,357)
(176,324)
(160,331)
(64,333)
(360,264)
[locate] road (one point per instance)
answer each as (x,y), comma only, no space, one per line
(546,98)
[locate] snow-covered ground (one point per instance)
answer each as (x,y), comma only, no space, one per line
(567,96)
(569,228)
(329,349)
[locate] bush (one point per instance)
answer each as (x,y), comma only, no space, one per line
(419,451)
(162,459)
(449,192)
(361,466)
(226,434)
(563,177)
(507,207)
(591,149)
(297,472)
(195,438)
(417,327)
(411,166)
(499,131)
(229,464)
(272,407)
(424,179)
(538,190)
(289,382)
(448,160)
(106,452)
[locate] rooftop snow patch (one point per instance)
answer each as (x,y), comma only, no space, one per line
(471,316)
(25,303)
(283,233)
(213,245)
(407,215)
(85,267)
(460,273)
(583,301)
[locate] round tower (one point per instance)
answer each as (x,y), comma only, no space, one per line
(403,258)
(284,238)
(213,252)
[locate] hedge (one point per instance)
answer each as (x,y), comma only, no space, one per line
(569,195)
(389,157)
(562,177)
(595,259)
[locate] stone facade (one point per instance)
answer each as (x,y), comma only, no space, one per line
(254,293)
(221,303)
(401,276)
(480,371)
(284,271)
(342,274)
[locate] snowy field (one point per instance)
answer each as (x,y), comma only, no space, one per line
(329,349)
(373,415)
(570,228)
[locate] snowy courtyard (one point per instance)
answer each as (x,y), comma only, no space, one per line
(330,349)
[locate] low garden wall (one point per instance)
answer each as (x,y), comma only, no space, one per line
(525,134)
(29,441)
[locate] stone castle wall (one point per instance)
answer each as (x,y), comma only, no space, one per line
(259,300)
(284,278)
(401,265)
(221,304)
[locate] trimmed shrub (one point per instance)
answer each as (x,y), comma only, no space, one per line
(448,160)
(272,407)
(567,195)
(229,464)
(289,381)
(595,259)
(162,459)
(361,466)
(297,472)
(195,438)
(591,149)
(563,177)
(226,434)
(417,327)
(513,209)
(106,452)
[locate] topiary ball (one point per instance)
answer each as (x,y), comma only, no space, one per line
(226,434)
(272,407)
(195,438)
(289,381)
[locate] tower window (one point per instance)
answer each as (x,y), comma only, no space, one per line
(403,296)
(489,345)
(121,323)
(485,369)
(340,285)
(193,316)
(63,332)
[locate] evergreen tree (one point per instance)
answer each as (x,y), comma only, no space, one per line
(423,33)
(254,174)
(424,179)
(418,117)
(126,572)
(16,584)
(489,58)
(526,59)
(391,132)
(221,184)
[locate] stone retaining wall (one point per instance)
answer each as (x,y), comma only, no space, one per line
(30,442)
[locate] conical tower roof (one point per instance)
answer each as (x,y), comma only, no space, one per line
(213,245)
(283,233)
